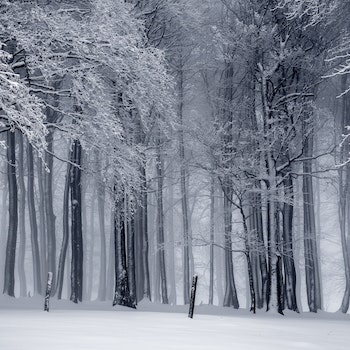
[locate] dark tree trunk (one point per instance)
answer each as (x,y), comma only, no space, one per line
(9,277)
(65,238)
(122,292)
(76,226)
(33,222)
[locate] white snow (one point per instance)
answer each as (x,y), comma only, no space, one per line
(99,326)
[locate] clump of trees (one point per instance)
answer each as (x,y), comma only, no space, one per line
(159,111)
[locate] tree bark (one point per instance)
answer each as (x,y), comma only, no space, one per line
(122,292)
(49,211)
(76,225)
(9,276)
(65,238)
(33,222)
(160,224)
(230,298)
(312,272)
(22,218)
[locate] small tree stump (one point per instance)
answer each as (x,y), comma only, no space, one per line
(48,291)
(193,296)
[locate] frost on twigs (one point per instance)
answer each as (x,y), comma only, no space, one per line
(19,109)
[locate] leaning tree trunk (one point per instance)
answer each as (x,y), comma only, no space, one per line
(22,219)
(9,277)
(33,222)
(76,226)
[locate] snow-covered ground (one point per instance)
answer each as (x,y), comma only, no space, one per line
(98,326)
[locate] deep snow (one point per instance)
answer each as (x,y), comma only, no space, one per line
(98,326)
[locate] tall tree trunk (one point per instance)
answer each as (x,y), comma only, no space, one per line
(122,292)
(22,218)
(111,260)
(3,217)
(91,250)
(288,257)
(65,238)
(312,272)
(230,298)
(160,223)
(212,228)
(9,277)
(42,223)
(76,226)
(184,192)
(131,255)
(344,196)
(33,222)
(50,216)
(171,235)
(101,217)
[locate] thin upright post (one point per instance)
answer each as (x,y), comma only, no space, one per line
(193,296)
(48,291)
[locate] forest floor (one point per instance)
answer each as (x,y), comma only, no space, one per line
(98,326)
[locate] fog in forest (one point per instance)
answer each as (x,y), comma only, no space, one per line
(145,142)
